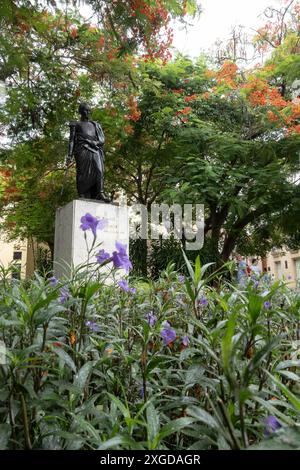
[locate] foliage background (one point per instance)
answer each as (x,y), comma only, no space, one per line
(176,130)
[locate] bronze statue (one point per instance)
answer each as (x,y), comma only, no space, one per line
(86,145)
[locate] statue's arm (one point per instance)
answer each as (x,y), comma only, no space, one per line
(100,134)
(72,125)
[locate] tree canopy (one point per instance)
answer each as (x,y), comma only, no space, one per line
(177,130)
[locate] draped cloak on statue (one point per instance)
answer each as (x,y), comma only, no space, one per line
(89,157)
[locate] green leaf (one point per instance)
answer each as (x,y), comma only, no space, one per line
(153,425)
(5,432)
(227,341)
(155,362)
(254,306)
(44,302)
(272,410)
(289,395)
(84,425)
(259,356)
(203,416)
(80,379)
(283,439)
(91,290)
(197,270)
(66,359)
(189,290)
(125,411)
(175,426)
(189,266)
(287,364)
(289,375)
(223,304)
(125,441)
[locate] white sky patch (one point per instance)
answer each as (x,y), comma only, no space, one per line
(216,22)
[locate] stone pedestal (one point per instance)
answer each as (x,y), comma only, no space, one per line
(70,246)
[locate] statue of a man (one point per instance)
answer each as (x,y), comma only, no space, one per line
(86,145)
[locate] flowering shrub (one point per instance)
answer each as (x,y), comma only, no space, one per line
(170,364)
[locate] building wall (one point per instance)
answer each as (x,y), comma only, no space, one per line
(11,249)
(283,264)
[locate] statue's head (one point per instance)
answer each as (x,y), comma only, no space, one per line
(84,110)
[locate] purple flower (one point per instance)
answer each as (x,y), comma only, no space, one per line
(271,425)
(123,284)
(185,340)
(267,304)
(256,284)
(64,295)
(92,326)
(88,222)
(289,277)
(181,278)
(53,281)
(167,333)
(120,257)
(203,301)
(102,256)
(151,319)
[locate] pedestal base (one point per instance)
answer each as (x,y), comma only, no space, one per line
(70,247)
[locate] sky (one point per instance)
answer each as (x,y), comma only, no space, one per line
(216,21)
